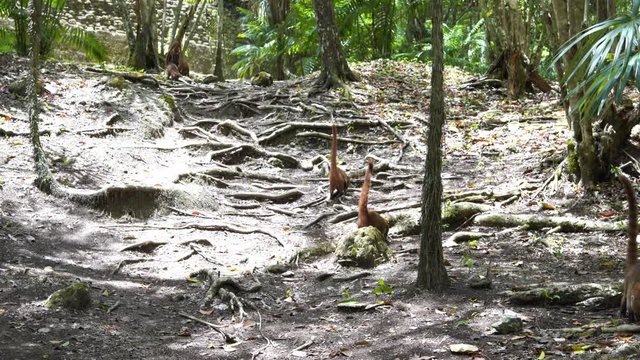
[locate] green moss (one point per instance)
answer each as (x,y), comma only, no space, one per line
(365,247)
(75,296)
(170,101)
(573,165)
(117,82)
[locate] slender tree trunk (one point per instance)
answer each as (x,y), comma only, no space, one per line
(432,274)
(279,12)
(417,13)
(383,25)
(144,55)
(194,26)
(176,21)
(218,67)
(163,28)
(123,9)
(334,64)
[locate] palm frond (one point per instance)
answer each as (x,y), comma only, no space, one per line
(84,42)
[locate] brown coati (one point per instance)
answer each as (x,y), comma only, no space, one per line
(338,179)
(175,56)
(365,216)
(630,304)
(172,72)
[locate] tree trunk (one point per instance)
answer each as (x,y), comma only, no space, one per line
(123,9)
(417,13)
(279,12)
(163,28)
(218,67)
(334,64)
(432,274)
(176,21)
(194,26)
(144,55)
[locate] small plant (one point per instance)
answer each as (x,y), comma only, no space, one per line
(346,294)
(382,288)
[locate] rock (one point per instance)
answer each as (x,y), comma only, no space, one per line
(508,325)
(364,247)
(75,296)
(463,349)
(210,79)
(277,268)
(262,78)
(626,351)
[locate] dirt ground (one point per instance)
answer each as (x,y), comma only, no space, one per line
(103,131)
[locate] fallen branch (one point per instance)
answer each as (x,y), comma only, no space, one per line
(565,294)
(126,262)
(624,328)
(145,246)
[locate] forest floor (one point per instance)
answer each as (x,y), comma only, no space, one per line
(227,152)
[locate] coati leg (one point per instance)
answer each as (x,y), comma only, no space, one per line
(338,179)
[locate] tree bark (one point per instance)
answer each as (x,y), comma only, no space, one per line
(218,67)
(279,12)
(123,9)
(144,55)
(334,64)
(432,274)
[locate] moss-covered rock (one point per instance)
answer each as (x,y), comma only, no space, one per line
(117,82)
(75,297)
(262,79)
(364,247)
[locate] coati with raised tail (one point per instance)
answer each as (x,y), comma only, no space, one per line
(368,217)
(630,304)
(338,179)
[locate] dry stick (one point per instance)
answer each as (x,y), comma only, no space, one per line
(184,212)
(275,187)
(269,342)
(320,135)
(227,338)
(312,202)
(196,249)
(394,132)
(288,196)
(281,211)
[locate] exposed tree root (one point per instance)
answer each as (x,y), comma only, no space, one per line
(227,338)
(145,246)
(275,132)
(239,129)
(132,77)
(288,196)
(205,227)
(232,173)
(126,262)
(319,135)
(242,150)
(221,287)
(566,294)
(624,328)
(537,222)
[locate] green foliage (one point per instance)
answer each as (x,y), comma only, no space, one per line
(605,62)
(465,47)
(382,288)
(53,32)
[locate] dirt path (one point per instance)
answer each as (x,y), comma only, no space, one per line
(230,144)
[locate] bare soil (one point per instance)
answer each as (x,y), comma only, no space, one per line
(490,143)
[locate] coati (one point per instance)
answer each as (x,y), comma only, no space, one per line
(366,217)
(630,304)
(338,179)
(172,72)
(175,57)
